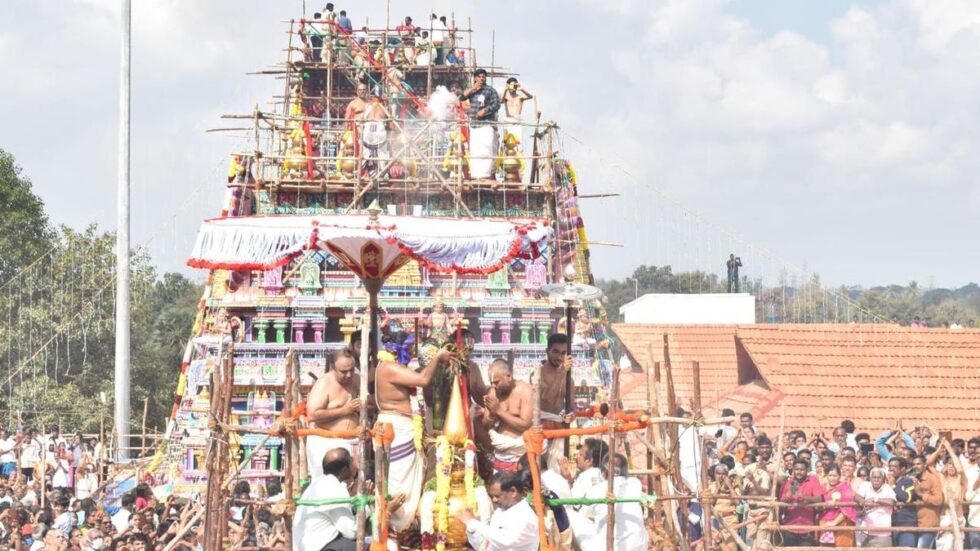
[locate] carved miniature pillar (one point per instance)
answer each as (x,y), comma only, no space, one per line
(526,328)
(544,327)
(280,327)
(486,329)
(318,327)
(299,326)
(261,326)
(347,328)
(505,328)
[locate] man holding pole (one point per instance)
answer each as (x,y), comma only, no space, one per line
(554,368)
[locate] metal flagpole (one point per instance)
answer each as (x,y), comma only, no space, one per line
(121,383)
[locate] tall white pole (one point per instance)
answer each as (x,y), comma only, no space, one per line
(122,243)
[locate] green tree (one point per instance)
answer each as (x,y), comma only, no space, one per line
(24,230)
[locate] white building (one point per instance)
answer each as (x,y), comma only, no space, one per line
(665,309)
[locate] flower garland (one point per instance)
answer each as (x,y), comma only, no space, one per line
(418,425)
(444,458)
(469,476)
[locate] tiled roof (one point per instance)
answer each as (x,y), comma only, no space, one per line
(871,374)
(821,374)
(713,346)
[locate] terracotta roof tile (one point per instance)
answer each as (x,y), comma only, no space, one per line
(822,374)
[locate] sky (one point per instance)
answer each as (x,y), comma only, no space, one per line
(838,136)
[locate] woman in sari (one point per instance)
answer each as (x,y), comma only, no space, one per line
(837,491)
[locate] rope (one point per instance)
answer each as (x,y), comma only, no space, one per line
(644,499)
(359,501)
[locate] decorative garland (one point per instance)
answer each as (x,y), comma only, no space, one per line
(444,459)
(469,477)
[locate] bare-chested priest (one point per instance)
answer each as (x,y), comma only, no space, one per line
(333,404)
(507,413)
(395,386)
(556,364)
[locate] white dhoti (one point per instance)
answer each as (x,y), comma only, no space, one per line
(483,151)
(512,125)
(406,469)
(318,446)
(554,450)
(507,451)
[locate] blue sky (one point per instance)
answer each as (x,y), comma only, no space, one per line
(832,134)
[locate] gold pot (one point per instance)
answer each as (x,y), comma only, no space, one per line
(456,533)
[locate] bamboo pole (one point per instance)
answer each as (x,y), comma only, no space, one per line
(146,405)
(611,469)
(661,453)
(701,454)
(289,442)
(218,455)
(773,489)
(372,288)
(304,468)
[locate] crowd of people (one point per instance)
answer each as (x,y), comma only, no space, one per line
(330,33)
(883,483)
(58,494)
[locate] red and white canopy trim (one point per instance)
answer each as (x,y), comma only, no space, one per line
(370,249)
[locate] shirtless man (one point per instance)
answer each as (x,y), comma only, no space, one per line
(333,405)
(553,415)
(357,106)
(395,384)
(513,99)
(507,414)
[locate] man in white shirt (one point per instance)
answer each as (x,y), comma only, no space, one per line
(877,499)
(591,457)
(8,457)
(513,526)
(120,520)
(30,454)
(327,527)
(630,531)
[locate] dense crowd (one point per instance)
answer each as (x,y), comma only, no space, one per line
(898,479)
(54,496)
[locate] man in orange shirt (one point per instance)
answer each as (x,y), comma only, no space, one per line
(928,490)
